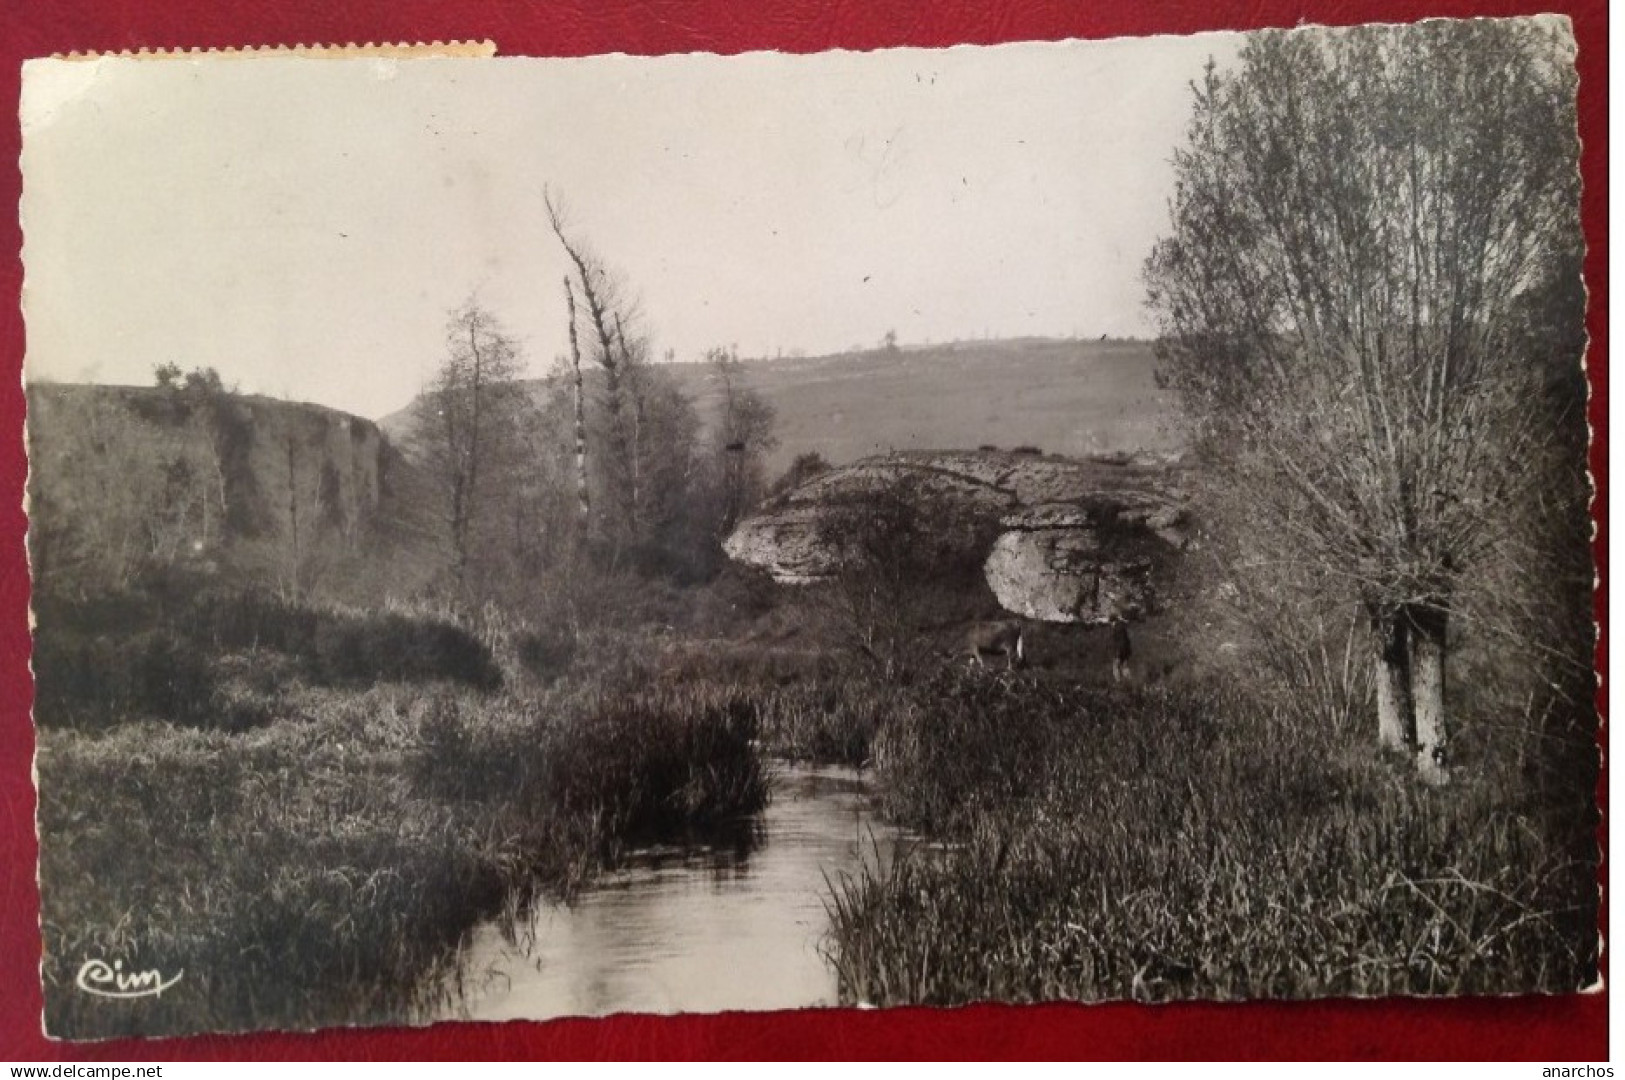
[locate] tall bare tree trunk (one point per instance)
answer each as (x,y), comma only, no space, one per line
(634,386)
(583,500)
(294,554)
(1427,693)
(619,457)
(619,464)
(465,523)
(636,503)
(731,459)
(1396,724)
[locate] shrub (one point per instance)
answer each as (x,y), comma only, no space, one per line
(546,654)
(254,620)
(346,647)
(108,658)
(803,468)
(94,681)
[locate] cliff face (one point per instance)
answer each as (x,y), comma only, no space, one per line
(1076,540)
(123,476)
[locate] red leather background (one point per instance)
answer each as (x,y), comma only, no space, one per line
(1572,1028)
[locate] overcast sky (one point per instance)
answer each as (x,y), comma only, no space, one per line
(305,226)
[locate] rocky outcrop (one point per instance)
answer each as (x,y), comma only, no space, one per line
(206,480)
(788,543)
(795,538)
(1072,540)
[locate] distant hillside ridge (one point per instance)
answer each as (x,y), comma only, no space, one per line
(1071,397)
(122,476)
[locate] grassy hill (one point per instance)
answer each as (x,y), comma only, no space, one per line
(1064,397)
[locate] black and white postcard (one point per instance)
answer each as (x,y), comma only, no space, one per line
(1097,521)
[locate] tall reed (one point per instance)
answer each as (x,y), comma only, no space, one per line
(1161,844)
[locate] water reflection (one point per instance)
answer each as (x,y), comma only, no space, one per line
(730,925)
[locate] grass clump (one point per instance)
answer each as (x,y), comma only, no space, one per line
(832,722)
(625,767)
(1174,843)
(811,705)
(324,867)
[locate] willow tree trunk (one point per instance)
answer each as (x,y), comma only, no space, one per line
(1396,723)
(1427,634)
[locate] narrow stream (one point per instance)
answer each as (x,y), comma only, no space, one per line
(733,926)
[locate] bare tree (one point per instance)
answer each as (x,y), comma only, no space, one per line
(467,420)
(295,537)
(608,312)
(907,564)
(674,535)
(579,396)
(742,438)
(1356,218)
(640,464)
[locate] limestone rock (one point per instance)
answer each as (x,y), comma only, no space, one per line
(1076,539)
(787,544)
(1063,574)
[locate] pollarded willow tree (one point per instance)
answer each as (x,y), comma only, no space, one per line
(1359,221)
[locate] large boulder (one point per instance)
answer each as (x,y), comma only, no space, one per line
(1064,540)
(1075,563)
